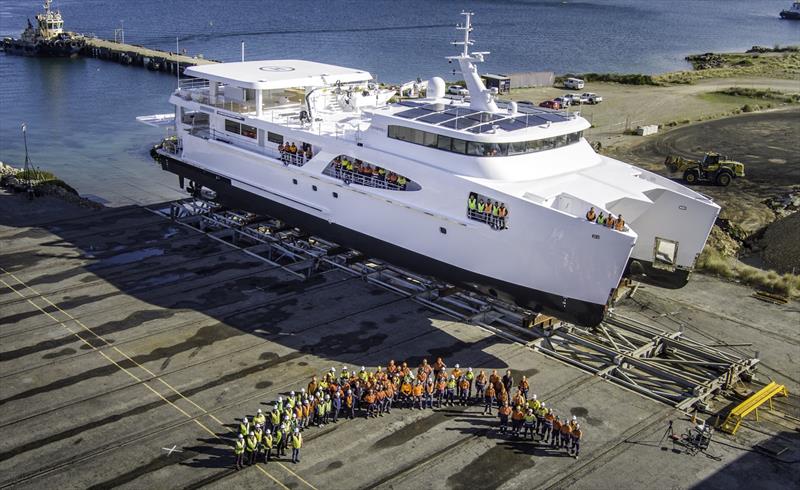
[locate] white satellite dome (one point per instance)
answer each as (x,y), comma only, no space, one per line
(435,88)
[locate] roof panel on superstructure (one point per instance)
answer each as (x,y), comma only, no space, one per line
(413,113)
(275,74)
(436,117)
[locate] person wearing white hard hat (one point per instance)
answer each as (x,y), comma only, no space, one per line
(470,376)
(540,413)
(576,440)
(268,442)
(250,446)
(297,443)
(274,417)
(258,431)
(349,405)
(450,391)
(244,426)
(566,435)
(336,406)
(259,418)
(238,451)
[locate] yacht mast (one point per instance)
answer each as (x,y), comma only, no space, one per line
(481,99)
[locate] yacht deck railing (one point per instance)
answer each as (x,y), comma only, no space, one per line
(286,158)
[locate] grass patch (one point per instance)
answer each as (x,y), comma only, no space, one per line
(44,178)
(34,174)
(762,94)
(775,64)
(711,261)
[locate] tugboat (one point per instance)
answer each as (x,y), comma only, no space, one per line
(47,38)
(793,13)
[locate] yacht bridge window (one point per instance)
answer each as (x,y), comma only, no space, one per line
(240,128)
(476,148)
(486,210)
(354,171)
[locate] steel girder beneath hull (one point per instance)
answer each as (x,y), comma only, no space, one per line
(662,365)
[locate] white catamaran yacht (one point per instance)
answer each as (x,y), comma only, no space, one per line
(320,147)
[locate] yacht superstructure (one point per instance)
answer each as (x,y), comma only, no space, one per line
(320,147)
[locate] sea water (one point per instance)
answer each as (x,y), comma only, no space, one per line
(80,113)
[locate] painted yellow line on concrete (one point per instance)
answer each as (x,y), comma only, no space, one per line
(205,412)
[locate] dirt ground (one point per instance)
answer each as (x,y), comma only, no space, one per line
(636,105)
(765,142)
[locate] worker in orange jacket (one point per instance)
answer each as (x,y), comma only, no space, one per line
(416,393)
(504,412)
(517,417)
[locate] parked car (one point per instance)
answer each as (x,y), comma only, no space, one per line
(562,101)
(592,98)
(573,83)
(525,102)
(577,99)
(457,90)
(550,104)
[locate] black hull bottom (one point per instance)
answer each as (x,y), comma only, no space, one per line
(645,272)
(20,48)
(566,309)
(785,14)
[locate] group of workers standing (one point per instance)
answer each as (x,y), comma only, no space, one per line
(290,153)
(608,221)
(493,213)
(349,169)
(526,417)
(363,393)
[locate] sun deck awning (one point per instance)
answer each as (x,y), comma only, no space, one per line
(277,74)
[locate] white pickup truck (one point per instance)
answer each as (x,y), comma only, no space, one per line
(591,98)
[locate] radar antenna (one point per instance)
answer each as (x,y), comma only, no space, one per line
(480,97)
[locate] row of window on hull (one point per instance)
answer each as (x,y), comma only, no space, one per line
(476,148)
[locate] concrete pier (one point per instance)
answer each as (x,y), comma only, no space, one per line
(131,345)
(131,54)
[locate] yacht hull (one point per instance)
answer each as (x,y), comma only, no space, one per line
(566,309)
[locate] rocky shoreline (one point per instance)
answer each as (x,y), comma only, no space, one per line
(9,179)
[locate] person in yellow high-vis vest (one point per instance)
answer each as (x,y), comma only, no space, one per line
(250,447)
(297,443)
(267,443)
(238,450)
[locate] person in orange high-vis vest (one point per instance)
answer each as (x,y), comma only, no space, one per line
(463,391)
(566,435)
(416,392)
(488,399)
(504,412)
(517,417)
(349,405)
(380,397)
(405,391)
(576,440)
(441,388)
(428,395)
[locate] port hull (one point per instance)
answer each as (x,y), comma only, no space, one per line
(567,309)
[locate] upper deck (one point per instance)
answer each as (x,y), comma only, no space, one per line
(278,74)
